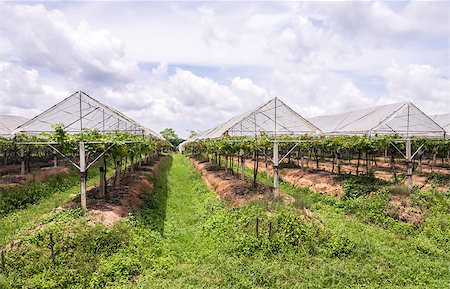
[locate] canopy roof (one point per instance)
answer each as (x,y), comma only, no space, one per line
(443,120)
(80,111)
(273,118)
(9,122)
(404,119)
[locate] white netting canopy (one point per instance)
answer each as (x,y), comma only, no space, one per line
(273,118)
(404,119)
(80,111)
(443,120)
(9,122)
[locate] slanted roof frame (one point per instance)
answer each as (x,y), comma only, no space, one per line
(8,123)
(76,120)
(443,120)
(231,129)
(404,119)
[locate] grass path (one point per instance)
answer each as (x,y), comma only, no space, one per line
(180,199)
(386,259)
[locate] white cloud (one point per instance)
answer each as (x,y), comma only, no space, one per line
(319,58)
(43,38)
(424,85)
(22,91)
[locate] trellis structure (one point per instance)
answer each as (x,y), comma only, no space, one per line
(443,120)
(78,114)
(403,119)
(273,119)
(8,123)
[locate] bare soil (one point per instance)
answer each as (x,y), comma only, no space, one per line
(318,181)
(233,189)
(120,200)
(400,207)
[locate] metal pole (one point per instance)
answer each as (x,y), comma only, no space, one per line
(408,154)
(83,175)
(409,162)
(275,167)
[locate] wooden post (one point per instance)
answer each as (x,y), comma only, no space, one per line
(22,161)
(83,175)
(55,160)
(102,182)
(242,165)
(52,245)
(339,162)
(3,260)
(117,179)
(132,164)
(275,167)
(140,157)
(257,227)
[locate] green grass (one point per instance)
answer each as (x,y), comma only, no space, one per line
(185,237)
(20,220)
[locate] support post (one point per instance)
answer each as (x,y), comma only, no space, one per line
(55,160)
(408,162)
(275,167)
(102,182)
(118,167)
(242,164)
(83,175)
(3,259)
(22,161)
(140,157)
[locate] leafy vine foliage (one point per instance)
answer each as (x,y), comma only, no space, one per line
(120,143)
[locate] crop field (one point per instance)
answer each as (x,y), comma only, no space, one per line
(224,144)
(183,236)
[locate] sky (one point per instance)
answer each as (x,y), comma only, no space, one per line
(191,65)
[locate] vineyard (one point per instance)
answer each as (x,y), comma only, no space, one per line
(90,198)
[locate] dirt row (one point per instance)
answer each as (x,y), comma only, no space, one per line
(318,181)
(120,199)
(321,182)
(230,187)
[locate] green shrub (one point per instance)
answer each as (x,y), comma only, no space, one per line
(355,186)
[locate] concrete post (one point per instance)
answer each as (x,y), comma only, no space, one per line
(409,162)
(275,167)
(83,175)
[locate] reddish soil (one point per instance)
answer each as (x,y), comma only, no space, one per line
(400,208)
(121,199)
(233,189)
(318,181)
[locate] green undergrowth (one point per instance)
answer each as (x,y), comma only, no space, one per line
(185,237)
(357,186)
(24,205)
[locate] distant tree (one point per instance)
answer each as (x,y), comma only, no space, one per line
(192,133)
(170,135)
